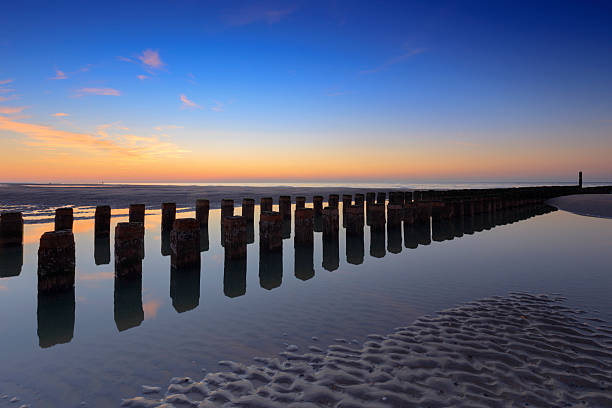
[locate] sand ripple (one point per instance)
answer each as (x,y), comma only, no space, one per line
(522,349)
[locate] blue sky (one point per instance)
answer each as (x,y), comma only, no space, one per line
(494,80)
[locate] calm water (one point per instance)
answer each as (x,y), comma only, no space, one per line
(104,341)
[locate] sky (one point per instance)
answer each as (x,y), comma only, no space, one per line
(223,91)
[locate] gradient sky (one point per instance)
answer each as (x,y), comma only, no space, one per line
(307,90)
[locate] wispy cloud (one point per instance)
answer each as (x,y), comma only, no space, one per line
(163,128)
(11,110)
(59,75)
(385,65)
(142,77)
(60,114)
(259,13)
(112,141)
(6,90)
(5,81)
(98,91)
(218,107)
(7,98)
(188,104)
(337,93)
(151,59)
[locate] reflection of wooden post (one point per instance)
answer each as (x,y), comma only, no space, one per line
(137,213)
(63,219)
(168,216)
(330,222)
(56,261)
(317,203)
(185,244)
(102,221)
(202,209)
(234,237)
(248,209)
(11,229)
(128,249)
(284,206)
(300,202)
(270,231)
(266,204)
(304,232)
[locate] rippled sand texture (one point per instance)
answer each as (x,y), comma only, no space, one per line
(526,350)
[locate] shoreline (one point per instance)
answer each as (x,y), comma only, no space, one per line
(588,205)
(520,348)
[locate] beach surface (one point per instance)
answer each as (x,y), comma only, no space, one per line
(517,350)
(592,205)
(39,201)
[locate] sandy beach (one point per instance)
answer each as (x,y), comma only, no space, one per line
(592,205)
(521,349)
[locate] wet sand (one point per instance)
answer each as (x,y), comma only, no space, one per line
(41,200)
(521,349)
(592,205)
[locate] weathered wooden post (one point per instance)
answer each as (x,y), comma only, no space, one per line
(347,200)
(102,221)
(304,229)
(359,200)
(185,244)
(128,249)
(234,237)
(354,220)
(377,217)
(202,209)
(270,231)
(330,223)
(317,203)
(266,204)
(248,209)
(227,208)
(64,219)
(137,213)
(381,197)
(580,179)
(300,202)
(56,260)
(333,200)
(395,214)
(284,206)
(168,215)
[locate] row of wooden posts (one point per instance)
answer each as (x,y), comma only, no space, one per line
(56,255)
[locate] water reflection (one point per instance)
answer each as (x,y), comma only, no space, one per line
(11,261)
(394,239)
(270,269)
(55,317)
(304,262)
(377,243)
(234,277)
(331,254)
(56,311)
(354,249)
(128,303)
(185,288)
(102,254)
(166,250)
(204,238)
